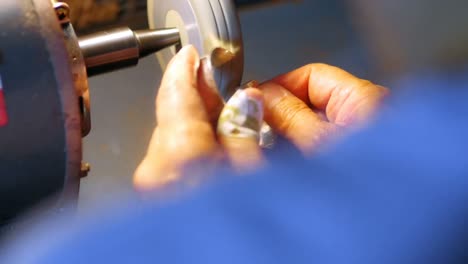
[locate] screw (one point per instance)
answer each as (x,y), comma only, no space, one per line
(63,12)
(85,169)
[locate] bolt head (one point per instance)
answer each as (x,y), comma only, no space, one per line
(63,12)
(85,169)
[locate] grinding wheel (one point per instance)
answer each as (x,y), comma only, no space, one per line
(207,25)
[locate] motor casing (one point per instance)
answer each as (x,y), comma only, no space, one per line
(40,145)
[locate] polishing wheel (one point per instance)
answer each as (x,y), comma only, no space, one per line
(207,25)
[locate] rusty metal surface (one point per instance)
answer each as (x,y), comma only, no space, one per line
(80,77)
(40,147)
(93,15)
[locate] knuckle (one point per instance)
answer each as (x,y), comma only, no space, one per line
(372,92)
(366,83)
(293,114)
(317,65)
(323,68)
(363,86)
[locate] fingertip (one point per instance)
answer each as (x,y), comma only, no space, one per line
(314,82)
(254,94)
(188,55)
(272,93)
(244,154)
(189,51)
(178,98)
(383,90)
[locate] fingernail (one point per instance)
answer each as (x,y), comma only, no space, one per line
(206,72)
(250,84)
(273,93)
(242,116)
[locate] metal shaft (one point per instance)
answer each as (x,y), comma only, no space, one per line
(122,47)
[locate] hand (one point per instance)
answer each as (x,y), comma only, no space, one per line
(318,103)
(309,106)
(185,143)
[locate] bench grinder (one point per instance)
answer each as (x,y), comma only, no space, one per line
(44,97)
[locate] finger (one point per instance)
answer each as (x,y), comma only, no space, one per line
(293,118)
(184,133)
(169,154)
(182,117)
(209,91)
(344,98)
(178,99)
(239,127)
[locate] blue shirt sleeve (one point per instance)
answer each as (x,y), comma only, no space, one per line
(394,193)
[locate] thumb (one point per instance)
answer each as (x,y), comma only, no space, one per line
(294,119)
(239,128)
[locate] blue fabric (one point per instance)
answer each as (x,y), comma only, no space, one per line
(394,193)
